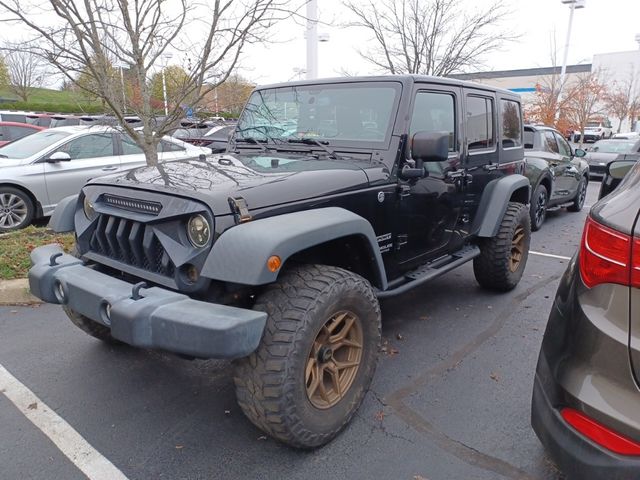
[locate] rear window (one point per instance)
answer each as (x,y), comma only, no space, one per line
(511,124)
(528,139)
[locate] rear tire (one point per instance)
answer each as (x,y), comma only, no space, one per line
(289,387)
(581,194)
(503,258)
(538,207)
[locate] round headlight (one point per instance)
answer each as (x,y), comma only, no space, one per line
(198,230)
(87,206)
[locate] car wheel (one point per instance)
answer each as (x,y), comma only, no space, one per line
(581,194)
(16,209)
(317,356)
(538,207)
(503,258)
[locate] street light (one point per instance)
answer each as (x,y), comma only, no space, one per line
(165,58)
(313,37)
(574,4)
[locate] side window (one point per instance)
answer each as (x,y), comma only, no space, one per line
(434,112)
(90,146)
(480,134)
(511,124)
(129,147)
(563,147)
(550,141)
(166,146)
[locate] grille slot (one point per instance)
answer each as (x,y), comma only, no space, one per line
(130,242)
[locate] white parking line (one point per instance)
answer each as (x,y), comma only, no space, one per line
(68,441)
(559,257)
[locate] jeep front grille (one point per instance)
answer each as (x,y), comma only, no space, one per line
(130,242)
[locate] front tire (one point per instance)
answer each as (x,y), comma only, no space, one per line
(503,258)
(581,195)
(317,356)
(16,209)
(538,207)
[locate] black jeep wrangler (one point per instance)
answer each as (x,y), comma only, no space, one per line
(333,194)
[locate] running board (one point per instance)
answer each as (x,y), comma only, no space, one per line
(558,207)
(429,271)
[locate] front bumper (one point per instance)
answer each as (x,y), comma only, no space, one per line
(154,318)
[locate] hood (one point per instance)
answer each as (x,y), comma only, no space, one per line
(11,162)
(600,157)
(263,180)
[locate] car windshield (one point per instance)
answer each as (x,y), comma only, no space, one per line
(613,146)
(31,145)
(334,113)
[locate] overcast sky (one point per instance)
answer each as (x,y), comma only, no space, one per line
(602,26)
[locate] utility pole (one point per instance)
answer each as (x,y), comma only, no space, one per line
(312,39)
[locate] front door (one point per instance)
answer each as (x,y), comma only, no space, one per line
(91,155)
(430,206)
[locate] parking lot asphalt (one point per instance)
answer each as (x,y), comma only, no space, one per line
(450,398)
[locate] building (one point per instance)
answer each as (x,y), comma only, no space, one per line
(613,68)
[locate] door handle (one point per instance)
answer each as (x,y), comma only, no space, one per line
(109,169)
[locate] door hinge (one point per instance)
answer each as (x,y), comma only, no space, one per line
(404,190)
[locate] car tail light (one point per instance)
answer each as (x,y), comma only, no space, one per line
(605,255)
(600,434)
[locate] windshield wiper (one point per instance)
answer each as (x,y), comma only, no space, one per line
(252,141)
(314,141)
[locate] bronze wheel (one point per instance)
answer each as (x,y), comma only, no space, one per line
(334,360)
(317,355)
(517,248)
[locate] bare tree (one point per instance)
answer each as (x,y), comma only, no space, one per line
(429,37)
(93,36)
(584,99)
(623,97)
(26,70)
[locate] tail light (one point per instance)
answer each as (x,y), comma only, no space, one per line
(600,434)
(606,254)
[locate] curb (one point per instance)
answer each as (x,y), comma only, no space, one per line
(16,292)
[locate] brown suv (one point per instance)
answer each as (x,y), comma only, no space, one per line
(586,400)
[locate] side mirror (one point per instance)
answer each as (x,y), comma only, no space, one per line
(579,153)
(618,169)
(430,147)
(58,157)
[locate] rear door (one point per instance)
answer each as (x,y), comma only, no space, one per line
(569,167)
(91,155)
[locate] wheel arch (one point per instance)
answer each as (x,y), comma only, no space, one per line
(37,205)
(240,254)
(495,199)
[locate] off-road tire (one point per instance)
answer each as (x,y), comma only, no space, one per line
(492,267)
(581,195)
(88,326)
(539,200)
(270,383)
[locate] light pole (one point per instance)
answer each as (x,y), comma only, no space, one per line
(165,57)
(312,39)
(124,95)
(574,4)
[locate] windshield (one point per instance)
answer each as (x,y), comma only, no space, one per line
(337,112)
(28,146)
(612,146)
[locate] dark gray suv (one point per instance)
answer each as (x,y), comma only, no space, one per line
(586,400)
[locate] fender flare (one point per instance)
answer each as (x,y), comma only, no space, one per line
(240,254)
(62,219)
(495,198)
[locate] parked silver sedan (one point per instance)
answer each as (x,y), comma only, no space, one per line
(38,171)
